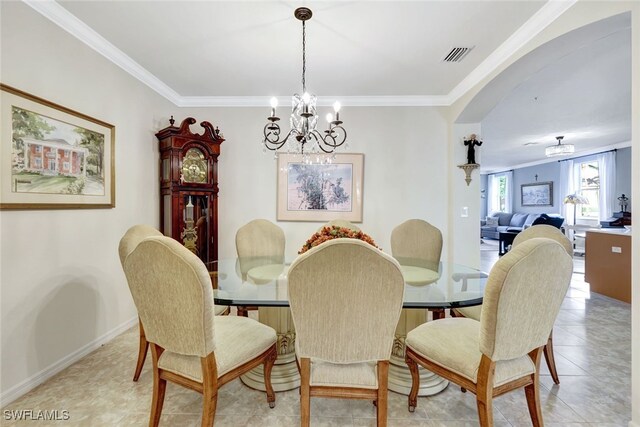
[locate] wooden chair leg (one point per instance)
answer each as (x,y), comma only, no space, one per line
(209,390)
(381,401)
(437,313)
(484,395)
(550,359)
(305,396)
(532,391)
(159,388)
(415,382)
(268,365)
(142,351)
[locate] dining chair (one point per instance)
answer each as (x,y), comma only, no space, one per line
(536,231)
(417,243)
(344,282)
(190,346)
(128,243)
(501,352)
(259,242)
(340,223)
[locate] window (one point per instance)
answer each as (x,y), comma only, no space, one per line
(37,162)
(52,164)
(589,187)
(38,148)
(65,166)
(499,197)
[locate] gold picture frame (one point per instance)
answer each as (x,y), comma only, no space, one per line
(53,157)
(320,192)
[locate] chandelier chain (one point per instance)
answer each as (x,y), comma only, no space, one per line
(304,56)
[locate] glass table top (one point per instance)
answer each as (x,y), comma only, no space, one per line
(262,282)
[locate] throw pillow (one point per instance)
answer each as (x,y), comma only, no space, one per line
(492,221)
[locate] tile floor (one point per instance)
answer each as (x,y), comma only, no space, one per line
(592,339)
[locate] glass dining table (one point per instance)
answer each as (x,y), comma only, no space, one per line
(262,282)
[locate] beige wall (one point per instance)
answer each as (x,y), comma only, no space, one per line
(62,287)
(405,170)
(65,290)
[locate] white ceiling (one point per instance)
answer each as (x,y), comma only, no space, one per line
(354,48)
(224,53)
(578,85)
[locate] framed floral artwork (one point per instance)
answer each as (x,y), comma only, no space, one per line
(52,157)
(330,189)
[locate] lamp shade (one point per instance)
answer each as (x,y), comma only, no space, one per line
(575,199)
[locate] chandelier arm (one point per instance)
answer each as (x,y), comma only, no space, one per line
(341,131)
(276,144)
(320,141)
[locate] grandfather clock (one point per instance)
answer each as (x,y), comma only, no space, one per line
(189,186)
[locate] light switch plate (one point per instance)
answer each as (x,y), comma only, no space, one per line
(616,249)
(465,212)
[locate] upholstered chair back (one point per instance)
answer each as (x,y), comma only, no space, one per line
(522,298)
(546,231)
(416,242)
(132,237)
(172,290)
(345,298)
(259,242)
(340,223)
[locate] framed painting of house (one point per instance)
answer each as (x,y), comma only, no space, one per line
(52,157)
(330,189)
(537,194)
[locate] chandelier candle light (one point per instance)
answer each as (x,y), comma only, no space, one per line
(303,119)
(559,149)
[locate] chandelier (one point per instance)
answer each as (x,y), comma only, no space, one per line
(559,149)
(304,138)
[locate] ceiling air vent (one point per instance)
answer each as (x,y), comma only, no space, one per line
(457,54)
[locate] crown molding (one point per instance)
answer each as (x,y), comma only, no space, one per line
(74,26)
(548,13)
(323,101)
(60,16)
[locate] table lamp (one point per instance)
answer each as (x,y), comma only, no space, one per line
(575,199)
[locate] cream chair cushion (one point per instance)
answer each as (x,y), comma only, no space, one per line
(361,375)
(522,298)
(545,231)
(536,231)
(433,341)
(133,237)
(416,242)
(172,290)
(259,242)
(238,340)
(471,312)
(342,312)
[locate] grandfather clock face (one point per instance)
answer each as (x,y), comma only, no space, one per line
(194,167)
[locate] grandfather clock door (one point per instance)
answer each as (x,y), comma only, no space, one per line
(189,187)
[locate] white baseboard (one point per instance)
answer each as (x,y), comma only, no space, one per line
(30,383)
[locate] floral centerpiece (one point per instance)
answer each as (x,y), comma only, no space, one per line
(335,232)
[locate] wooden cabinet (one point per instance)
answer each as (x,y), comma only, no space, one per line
(189,186)
(608,263)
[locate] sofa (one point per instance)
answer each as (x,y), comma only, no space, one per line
(500,222)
